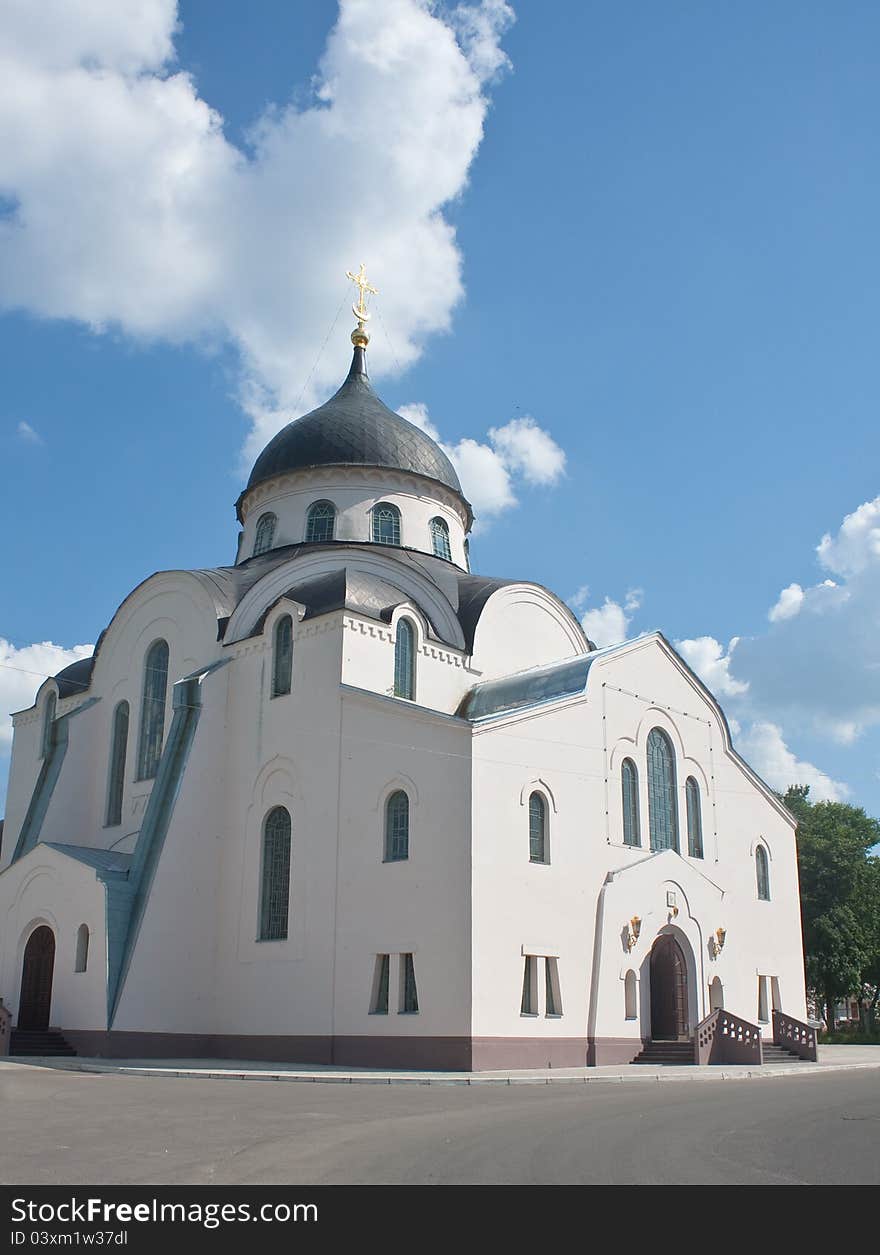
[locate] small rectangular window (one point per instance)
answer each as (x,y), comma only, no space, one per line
(409,998)
(551,975)
(379,1003)
(529,1005)
(763,1001)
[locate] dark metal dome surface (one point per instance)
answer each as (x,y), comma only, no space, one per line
(354,428)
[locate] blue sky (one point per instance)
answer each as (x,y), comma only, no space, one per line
(644,235)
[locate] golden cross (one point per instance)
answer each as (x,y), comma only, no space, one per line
(360,310)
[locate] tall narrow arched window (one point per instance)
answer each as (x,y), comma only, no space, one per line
(116,779)
(49,730)
(320,522)
(467,553)
(397,827)
(629,777)
(440,539)
(662,810)
(386,524)
(405,660)
(265,534)
(81,959)
(282,656)
(694,818)
(762,871)
(630,995)
(538,852)
(275,876)
(153,710)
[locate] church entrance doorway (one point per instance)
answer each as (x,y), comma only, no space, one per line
(36,980)
(669,998)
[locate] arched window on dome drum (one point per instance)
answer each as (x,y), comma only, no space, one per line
(762,871)
(440,539)
(629,777)
(265,534)
(694,818)
(467,553)
(48,739)
(153,710)
(662,811)
(321,522)
(386,524)
(275,876)
(537,829)
(282,656)
(397,827)
(118,748)
(405,660)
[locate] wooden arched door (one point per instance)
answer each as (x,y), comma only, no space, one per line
(36,979)
(669,999)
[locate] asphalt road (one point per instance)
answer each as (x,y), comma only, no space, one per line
(85,1129)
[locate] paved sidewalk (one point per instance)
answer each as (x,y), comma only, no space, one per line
(831,1059)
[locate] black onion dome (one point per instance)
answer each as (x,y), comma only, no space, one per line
(354,428)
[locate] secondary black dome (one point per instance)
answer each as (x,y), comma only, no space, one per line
(354,428)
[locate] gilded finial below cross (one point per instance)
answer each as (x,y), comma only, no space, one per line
(359,335)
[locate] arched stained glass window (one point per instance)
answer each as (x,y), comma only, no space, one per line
(275,876)
(49,725)
(265,534)
(282,656)
(321,522)
(762,870)
(386,524)
(397,827)
(694,818)
(662,810)
(440,539)
(629,777)
(118,748)
(153,710)
(405,660)
(81,960)
(537,829)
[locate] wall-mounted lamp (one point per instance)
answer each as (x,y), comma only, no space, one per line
(716,942)
(632,933)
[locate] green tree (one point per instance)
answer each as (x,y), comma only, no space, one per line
(867,899)
(833,840)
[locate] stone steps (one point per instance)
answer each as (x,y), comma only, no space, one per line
(667,1053)
(36,1042)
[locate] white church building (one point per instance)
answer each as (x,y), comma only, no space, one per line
(346,801)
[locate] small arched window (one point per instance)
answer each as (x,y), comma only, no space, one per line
(397,827)
(48,726)
(630,998)
(282,656)
(538,852)
(694,818)
(275,876)
(405,660)
(762,871)
(386,524)
(662,811)
(440,539)
(153,710)
(320,522)
(629,777)
(116,779)
(716,995)
(265,534)
(467,553)
(82,948)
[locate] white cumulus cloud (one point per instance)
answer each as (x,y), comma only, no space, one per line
(857,543)
(131,209)
(788,603)
(607,624)
(526,447)
(764,748)
(711,662)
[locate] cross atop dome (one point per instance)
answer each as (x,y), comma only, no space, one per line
(359,336)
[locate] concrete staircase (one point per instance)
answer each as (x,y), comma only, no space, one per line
(778,1054)
(44,1042)
(669,1053)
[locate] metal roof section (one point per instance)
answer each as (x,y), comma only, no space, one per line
(105,862)
(535,687)
(76,677)
(354,428)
